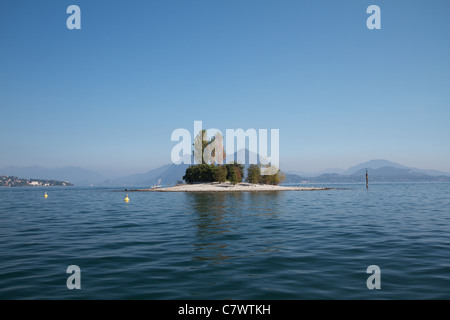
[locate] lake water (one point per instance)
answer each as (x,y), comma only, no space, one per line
(273,245)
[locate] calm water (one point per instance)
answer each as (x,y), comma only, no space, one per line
(285,245)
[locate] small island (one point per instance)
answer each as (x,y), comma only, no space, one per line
(219,177)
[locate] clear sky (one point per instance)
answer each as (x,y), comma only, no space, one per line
(107,97)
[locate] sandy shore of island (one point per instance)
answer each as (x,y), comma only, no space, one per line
(226,187)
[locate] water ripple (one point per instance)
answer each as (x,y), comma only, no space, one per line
(281,245)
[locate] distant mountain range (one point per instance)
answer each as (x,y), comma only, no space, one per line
(75,175)
(377,164)
(379,171)
(166,175)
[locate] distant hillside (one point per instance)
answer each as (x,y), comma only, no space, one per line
(372,164)
(315,174)
(391,174)
(378,172)
(383,174)
(168,174)
(77,176)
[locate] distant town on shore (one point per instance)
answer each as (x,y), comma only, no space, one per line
(11,181)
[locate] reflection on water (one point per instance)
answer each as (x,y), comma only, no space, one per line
(286,245)
(225,220)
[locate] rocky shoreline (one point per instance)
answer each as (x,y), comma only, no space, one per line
(226,187)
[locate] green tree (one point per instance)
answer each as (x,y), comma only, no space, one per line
(253,174)
(237,168)
(233,175)
(281,177)
(220,173)
(264,179)
(199,173)
(276,178)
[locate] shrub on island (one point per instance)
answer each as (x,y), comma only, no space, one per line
(254,176)
(214,173)
(199,173)
(233,173)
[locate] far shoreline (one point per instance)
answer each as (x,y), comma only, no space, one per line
(226,187)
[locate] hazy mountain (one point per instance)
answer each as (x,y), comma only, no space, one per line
(394,174)
(377,164)
(293,178)
(135,179)
(300,173)
(373,164)
(431,172)
(323,178)
(166,175)
(379,170)
(330,170)
(75,175)
(383,174)
(315,174)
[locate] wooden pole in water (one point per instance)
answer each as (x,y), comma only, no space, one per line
(367,180)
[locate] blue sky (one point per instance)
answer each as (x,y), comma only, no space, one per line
(107,97)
